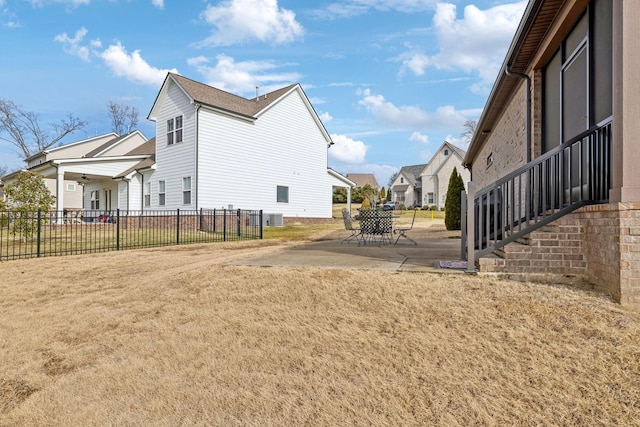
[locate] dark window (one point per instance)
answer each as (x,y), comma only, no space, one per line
(578,78)
(174,130)
(282,194)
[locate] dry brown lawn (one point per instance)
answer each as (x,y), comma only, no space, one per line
(173,336)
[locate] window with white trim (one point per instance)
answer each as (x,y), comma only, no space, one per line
(71,186)
(430,198)
(95,199)
(147,194)
(174,130)
(161,193)
(186,190)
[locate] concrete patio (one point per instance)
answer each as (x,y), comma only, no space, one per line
(435,244)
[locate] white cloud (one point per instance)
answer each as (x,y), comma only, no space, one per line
(123,64)
(132,66)
(476,43)
(347,150)
(417,136)
(351,8)
(239,21)
(242,77)
(73,3)
(158,3)
(73,46)
(412,117)
(325,117)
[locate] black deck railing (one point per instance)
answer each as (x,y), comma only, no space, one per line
(573,175)
(27,234)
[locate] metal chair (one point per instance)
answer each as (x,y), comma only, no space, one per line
(356,232)
(402,230)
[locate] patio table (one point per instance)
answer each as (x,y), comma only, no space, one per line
(376,226)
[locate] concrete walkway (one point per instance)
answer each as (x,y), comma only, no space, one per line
(435,244)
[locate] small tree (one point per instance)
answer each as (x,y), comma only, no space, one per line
(23,128)
(383,195)
(366,204)
(452,206)
(25,195)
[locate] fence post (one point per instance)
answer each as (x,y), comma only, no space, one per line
(214,221)
(118,229)
(39,228)
(224,225)
(177,226)
(238,221)
(260,224)
(471,230)
(201,221)
(463,224)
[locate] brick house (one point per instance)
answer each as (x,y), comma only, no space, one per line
(555,181)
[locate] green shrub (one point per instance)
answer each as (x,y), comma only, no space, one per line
(452,205)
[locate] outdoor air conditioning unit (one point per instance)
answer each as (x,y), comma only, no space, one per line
(272,220)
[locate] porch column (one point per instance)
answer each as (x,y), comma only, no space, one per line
(60,194)
(626,109)
(349,199)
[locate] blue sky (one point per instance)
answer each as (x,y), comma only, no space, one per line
(391,79)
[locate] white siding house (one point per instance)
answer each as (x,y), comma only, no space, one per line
(218,150)
(95,173)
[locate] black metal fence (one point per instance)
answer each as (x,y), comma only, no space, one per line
(28,234)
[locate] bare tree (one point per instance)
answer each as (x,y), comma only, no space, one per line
(3,170)
(469,130)
(25,131)
(123,118)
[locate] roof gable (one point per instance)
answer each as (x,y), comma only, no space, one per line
(218,99)
(225,102)
(412,173)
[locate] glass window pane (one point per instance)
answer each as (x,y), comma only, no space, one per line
(575,92)
(283,194)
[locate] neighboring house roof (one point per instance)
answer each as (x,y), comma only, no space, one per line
(105,146)
(341,178)
(361,179)
(219,99)
(412,173)
(456,151)
(66,146)
(149,148)
(534,26)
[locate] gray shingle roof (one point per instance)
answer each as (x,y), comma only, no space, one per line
(412,172)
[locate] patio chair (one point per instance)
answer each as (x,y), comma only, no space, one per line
(402,230)
(356,233)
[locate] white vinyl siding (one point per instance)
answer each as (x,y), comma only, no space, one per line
(173,162)
(242,162)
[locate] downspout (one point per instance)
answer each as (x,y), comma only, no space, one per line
(512,73)
(196,183)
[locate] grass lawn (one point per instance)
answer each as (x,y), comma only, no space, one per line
(177,336)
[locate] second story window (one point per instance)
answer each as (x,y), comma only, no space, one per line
(174,130)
